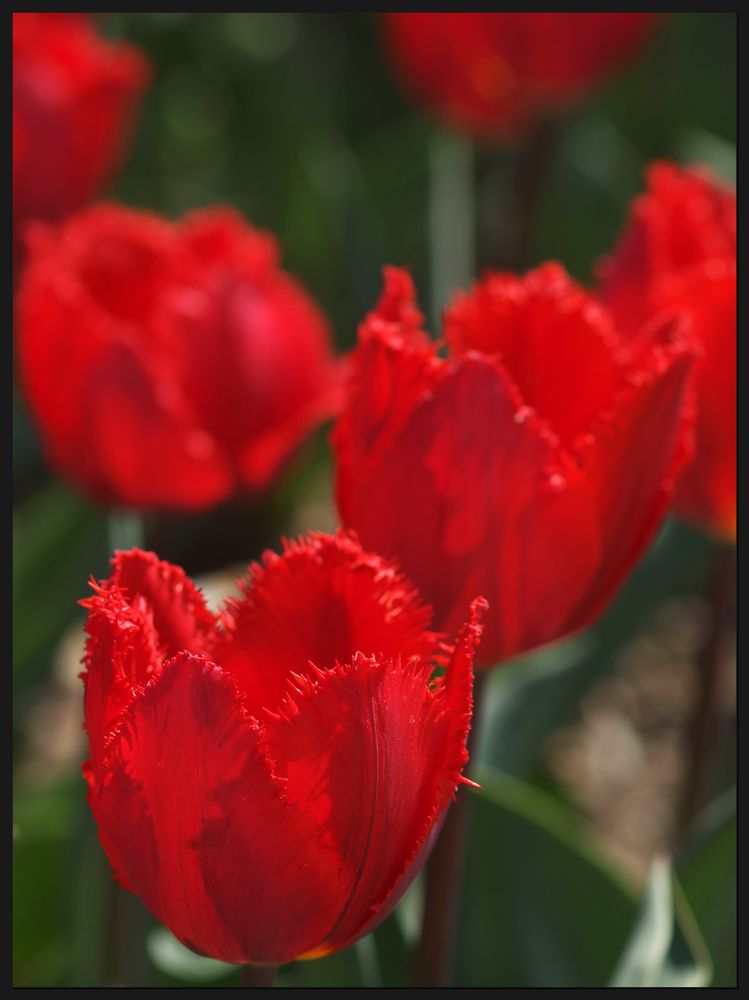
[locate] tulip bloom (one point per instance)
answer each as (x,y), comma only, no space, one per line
(493,74)
(169,364)
(74,96)
(268,780)
(533,465)
(678,252)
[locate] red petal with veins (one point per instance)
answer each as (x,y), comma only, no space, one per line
(516,470)
(194,821)
(266,841)
(146,611)
(323,600)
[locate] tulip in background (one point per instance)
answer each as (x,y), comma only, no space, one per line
(678,253)
(169,365)
(74,97)
(269,779)
(494,74)
(534,465)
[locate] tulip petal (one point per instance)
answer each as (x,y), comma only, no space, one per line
(374,754)
(146,441)
(633,456)
(678,254)
(180,614)
(194,822)
(422,500)
(122,655)
(706,491)
(526,322)
(583,537)
(146,611)
(323,600)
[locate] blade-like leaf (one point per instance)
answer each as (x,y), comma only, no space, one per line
(665,948)
(541,906)
(707,872)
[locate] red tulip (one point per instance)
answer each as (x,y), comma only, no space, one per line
(269,779)
(533,466)
(493,74)
(168,364)
(678,252)
(74,95)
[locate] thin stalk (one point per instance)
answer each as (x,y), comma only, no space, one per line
(433,958)
(126,951)
(531,172)
(453,217)
(258,975)
(452,212)
(508,199)
(703,729)
(126,530)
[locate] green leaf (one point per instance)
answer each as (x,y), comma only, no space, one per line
(60,540)
(707,872)
(665,948)
(43,823)
(541,906)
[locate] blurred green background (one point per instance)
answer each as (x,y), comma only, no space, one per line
(296,120)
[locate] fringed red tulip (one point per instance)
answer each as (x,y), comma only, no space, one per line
(678,253)
(270,779)
(494,74)
(169,365)
(533,466)
(74,96)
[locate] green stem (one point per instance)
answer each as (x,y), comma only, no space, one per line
(128,922)
(258,975)
(531,171)
(126,529)
(508,205)
(433,958)
(451,218)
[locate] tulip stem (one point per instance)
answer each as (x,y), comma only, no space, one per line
(452,212)
(126,529)
(433,957)
(508,205)
(531,171)
(258,975)
(703,729)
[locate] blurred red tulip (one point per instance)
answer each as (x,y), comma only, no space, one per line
(533,466)
(269,780)
(678,252)
(74,96)
(168,364)
(493,74)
